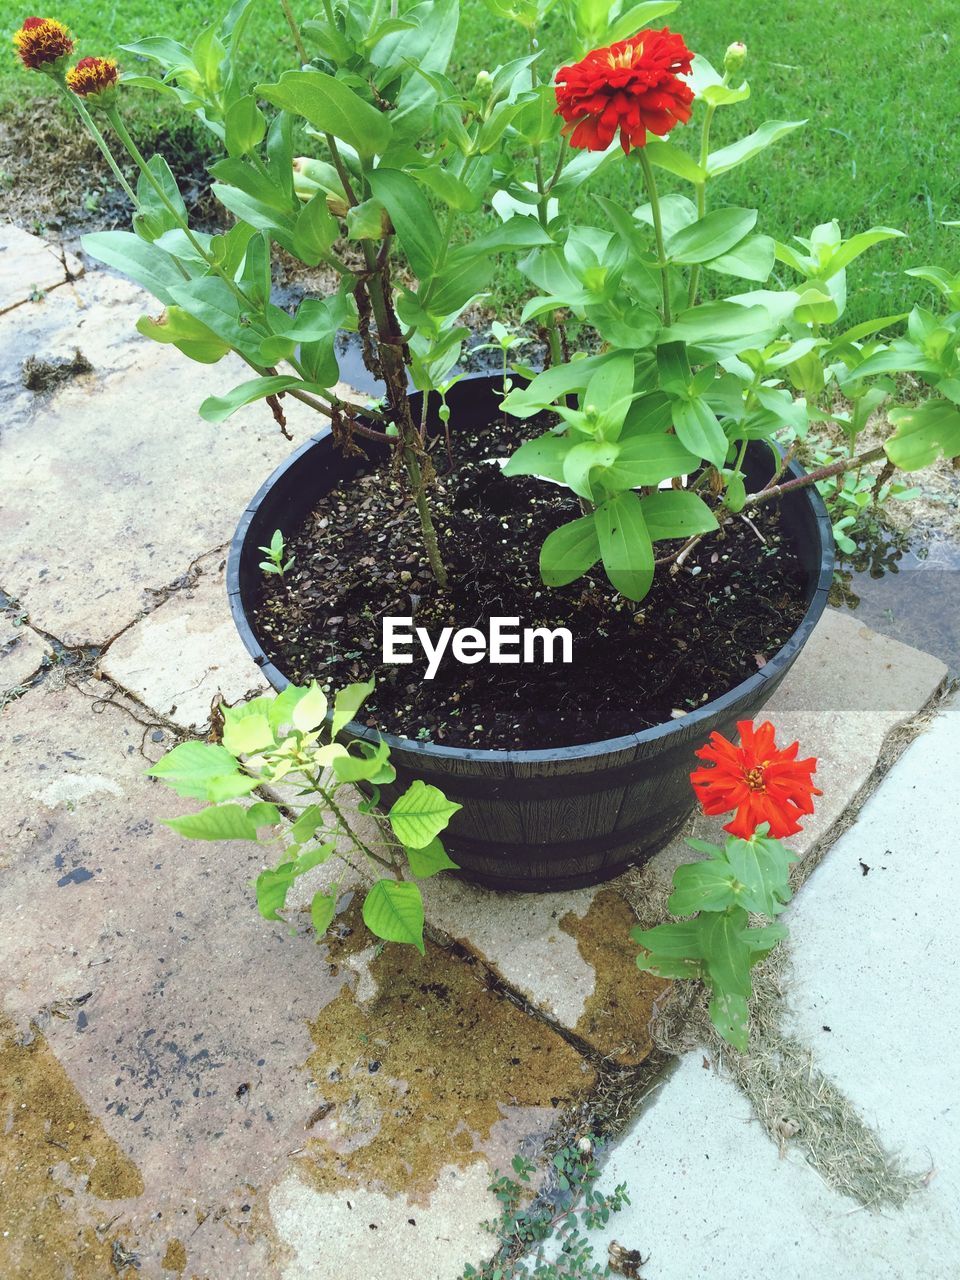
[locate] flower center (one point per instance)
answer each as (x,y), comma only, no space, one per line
(754,778)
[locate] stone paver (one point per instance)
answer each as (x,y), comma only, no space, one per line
(22,654)
(875,992)
(28,266)
(178,658)
(847,692)
(234,1073)
(118,483)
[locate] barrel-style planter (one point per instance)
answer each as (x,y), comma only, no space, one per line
(566,817)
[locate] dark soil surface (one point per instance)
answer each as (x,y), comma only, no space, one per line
(698,633)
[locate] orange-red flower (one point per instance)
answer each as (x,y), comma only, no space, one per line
(42,42)
(632,86)
(759,781)
(93,76)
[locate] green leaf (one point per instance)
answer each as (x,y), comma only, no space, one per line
(665,967)
(923,434)
(307,823)
(393,910)
(347,703)
(245,126)
(315,230)
(858,244)
(429,860)
(712,235)
(725,953)
(420,814)
(273,887)
(581,461)
(153,217)
(542,456)
(568,552)
(314,857)
(637,16)
(675,513)
(648,459)
(746,148)
(677,940)
(761,941)
(219,822)
(550,385)
(625,545)
(698,430)
(322,910)
(331,107)
(144,263)
(752,259)
(701,886)
(730,1015)
(186,333)
(417,229)
(760,888)
(371,765)
(666,155)
(203,771)
(716,322)
(219,408)
(213,303)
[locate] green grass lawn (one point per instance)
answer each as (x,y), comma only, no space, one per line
(877,82)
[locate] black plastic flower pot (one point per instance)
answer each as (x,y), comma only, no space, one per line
(566,817)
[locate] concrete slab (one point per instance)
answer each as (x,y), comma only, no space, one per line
(178,658)
(220,1058)
(22,654)
(176,484)
(849,689)
(875,993)
(29,266)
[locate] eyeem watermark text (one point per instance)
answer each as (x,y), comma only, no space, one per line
(504,642)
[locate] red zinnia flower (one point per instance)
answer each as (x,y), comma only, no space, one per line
(632,86)
(41,42)
(762,783)
(92,76)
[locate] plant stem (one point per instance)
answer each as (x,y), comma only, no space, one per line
(294,31)
(811,477)
(395,375)
(702,194)
(651,184)
(100,140)
(543,192)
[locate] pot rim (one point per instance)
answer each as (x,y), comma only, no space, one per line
(658,733)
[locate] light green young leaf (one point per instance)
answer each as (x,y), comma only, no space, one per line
(281,708)
(716,322)
(393,910)
(420,814)
(752,259)
(667,155)
(429,860)
(245,126)
(372,764)
(246,735)
(310,710)
(306,825)
(347,703)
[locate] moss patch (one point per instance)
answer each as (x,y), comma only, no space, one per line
(617,1017)
(417,1076)
(51,1145)
(175,1258)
